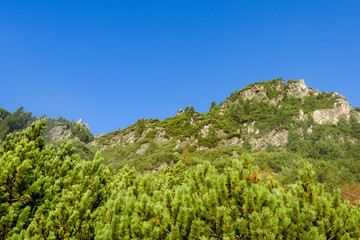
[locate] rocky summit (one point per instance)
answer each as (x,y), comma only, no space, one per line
(249,110)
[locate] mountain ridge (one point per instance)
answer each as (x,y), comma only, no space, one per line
(282,125)
(336,107)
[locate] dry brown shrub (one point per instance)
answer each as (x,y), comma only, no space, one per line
(351,191)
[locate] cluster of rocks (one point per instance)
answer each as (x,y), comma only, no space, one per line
(82,124)
(60,133)
(297,89)
(129,138)
(180,111)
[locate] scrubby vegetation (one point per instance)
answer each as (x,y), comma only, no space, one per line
(49,193)
(12,122)
(191,176)
(332,149)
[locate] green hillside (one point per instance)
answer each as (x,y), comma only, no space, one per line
(49,193)
(281,125)
(266,163)
(276,122)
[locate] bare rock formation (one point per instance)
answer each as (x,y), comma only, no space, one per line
(298,89)
(60,133)
(142,149)
(276,138)
(341,108)
(82,124)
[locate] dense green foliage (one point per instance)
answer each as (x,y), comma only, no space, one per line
(85,151)
(12,122)
(52,194)
(47,193)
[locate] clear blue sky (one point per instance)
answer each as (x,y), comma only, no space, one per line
(113,62)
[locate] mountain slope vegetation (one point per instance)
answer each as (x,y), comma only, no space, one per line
(282,125)
(49,193)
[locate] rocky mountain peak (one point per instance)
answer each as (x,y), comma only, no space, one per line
(180,111)
(262,115)
(299,84)
(82,124)
(299,89)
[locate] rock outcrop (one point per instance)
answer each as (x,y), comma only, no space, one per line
(180,111)
(226,143)
(298,89)
(187,142)
(251,129)
(82,124)
(273,92)
(341,109)
(143,148)
(160,137)
(276,138)
(205,130)
(302,116)
(258,92)
(60,133)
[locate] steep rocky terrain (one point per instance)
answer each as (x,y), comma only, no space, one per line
(320,108)
(283,125)
(64,130)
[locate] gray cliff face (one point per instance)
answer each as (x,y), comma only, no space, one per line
(278,139)
(206,129)
(60,133)
(299,89)
(64,131)
(341,109)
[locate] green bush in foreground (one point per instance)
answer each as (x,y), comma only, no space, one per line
(53,194)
